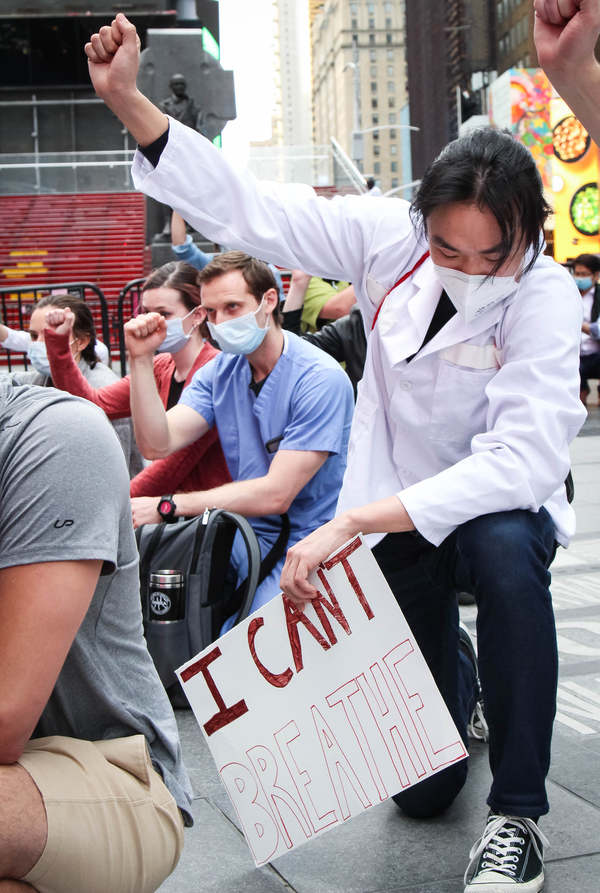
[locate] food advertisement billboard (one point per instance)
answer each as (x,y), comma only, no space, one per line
(523,100)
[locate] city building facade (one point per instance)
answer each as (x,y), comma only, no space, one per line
(359,89)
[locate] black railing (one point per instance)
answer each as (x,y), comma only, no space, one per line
(130,293)
(14,299)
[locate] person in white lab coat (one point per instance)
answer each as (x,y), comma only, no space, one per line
(459,446)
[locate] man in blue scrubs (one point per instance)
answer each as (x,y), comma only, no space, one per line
(282,408)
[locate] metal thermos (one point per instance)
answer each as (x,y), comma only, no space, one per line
(166,596)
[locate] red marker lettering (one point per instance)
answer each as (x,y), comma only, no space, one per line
(342,558)
(225,714)
(278,680)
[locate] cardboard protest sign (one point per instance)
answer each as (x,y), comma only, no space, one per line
(314,716)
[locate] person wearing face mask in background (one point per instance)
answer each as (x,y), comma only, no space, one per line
(282,409)
(460,441)
(172,292)
(82,352)
(586,272)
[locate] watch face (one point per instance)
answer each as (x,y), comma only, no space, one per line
(165,507)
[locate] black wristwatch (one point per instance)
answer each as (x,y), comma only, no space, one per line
(166,509)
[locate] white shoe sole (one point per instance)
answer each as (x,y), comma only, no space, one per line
(502,884)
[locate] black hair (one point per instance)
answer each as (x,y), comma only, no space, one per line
(83,326)
(590,261)
(370,181)
(491,169)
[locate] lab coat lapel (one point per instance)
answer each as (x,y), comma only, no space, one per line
(456,330)
(404,320)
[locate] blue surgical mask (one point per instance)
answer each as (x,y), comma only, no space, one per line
(37,356)
(583,283)
(176,339)
(241,335)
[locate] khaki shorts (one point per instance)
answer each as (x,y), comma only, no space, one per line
(113,827)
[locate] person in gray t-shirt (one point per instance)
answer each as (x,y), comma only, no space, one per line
(73,659)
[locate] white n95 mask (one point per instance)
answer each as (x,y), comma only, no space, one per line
(473,295)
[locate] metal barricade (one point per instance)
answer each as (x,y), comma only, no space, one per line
(15,298)
(130,293)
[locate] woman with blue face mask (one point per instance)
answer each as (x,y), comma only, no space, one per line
(82,354)
(172,291)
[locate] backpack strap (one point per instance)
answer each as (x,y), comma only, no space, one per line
(246,589)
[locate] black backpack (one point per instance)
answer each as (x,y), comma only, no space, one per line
(199,548)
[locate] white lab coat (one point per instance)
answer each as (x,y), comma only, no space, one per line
(481,419)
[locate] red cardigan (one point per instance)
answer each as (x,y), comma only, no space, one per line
(199,466)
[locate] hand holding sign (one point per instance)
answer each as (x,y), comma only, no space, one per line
(314,716)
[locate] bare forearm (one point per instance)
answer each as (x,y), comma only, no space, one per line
(149,416)
(384,516)
(144,121)
(582,95)
(252,498)
(177,229)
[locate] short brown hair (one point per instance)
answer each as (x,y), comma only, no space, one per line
(257,275)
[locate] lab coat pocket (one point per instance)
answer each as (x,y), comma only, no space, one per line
(459,408)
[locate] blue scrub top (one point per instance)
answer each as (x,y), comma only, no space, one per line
(306,403)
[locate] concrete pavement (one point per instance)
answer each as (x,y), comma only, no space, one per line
(381,850)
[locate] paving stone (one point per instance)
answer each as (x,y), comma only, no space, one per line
(215,859)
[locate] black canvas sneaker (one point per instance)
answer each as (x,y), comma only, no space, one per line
(508,857)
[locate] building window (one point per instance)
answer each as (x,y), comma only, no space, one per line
(373,86)
(395,183)
(372,55)
(390,71)
(354,9)
(371,38)
(388,38)
(355,24)
(390,54)
(388,23)
(376,149)
(371,9)
(376,135)
(392,118)
(375,120)
(373,103)
(387,7)
(393,148)
(373,71)
(391,102)
(391,87)
(371,24)
(392,134)
(377,167)
(394,167)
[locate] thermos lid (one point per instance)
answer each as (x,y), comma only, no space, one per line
(169,578)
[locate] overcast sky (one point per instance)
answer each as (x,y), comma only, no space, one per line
(247,48)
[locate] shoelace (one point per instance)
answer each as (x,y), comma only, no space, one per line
(502,842)
(478,727)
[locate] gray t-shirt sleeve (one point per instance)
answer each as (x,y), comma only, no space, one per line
(55,504)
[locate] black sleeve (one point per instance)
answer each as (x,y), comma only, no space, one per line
(155,149)
(332,338)
(292,320)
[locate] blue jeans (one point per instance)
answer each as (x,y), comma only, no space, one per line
(503,559)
